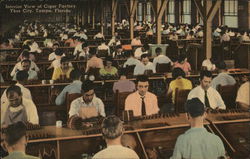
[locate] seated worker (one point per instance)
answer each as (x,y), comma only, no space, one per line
(118,53)
(103,46)
(88,105)
(136,41)
(183,64)
(26,67)
(223,78)
(63,71)
(18,66)
(108,69)
(209,96)
(131,60)
(179,82)
(18,108)
(141,50)
(197,142)
(56,62)
(15,141)
(160,58)
(144,65)
(123,84)
(74,87)
(21,77)
(94,61)
(53,56)
(142,102)
(243,96)
(112,131)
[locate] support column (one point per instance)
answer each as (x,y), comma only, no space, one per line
(114,8)
(102,16)
(161,6)
(133,6)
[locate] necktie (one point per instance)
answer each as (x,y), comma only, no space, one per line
(143,107)
(206,100)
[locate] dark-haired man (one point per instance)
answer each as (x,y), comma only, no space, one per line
(21,77)
(15,141)
(142,102)
(144,65)
(17,108)
(160,58)
(88,105)
(223,78)
(26,67)
(112,131)
(197,142)
(63,70)
(74,87)
(207,95)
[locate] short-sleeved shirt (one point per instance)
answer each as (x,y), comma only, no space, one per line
(198,143)
(104,72)
(116,152)
(181,83)
(58,72)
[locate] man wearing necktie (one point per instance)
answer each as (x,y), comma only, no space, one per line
(142,102)
(209,96)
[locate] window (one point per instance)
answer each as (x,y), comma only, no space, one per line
(186,12)
(148,12)
(231,13)
(170,12)
(139,12)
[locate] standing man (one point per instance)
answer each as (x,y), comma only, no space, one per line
(197,142)
(112,131)
(207,95)
(142,102)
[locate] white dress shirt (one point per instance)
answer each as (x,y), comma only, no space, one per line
(25,91)
(214,97)
(161,59)
(30,108)
(103,47)
(140,68)
(208,64)
(35,48)
(18,66)
(79,102)
(131,61)
(32,75)
(52,56)
(78,48)
(139,52)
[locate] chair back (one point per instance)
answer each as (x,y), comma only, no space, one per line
(120,102)
(102,53)
(163,68)
(70,98)
(180,99)
(228,94)
(130,70)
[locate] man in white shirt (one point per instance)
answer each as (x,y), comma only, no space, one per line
(160,58)
(18,108)
(112,131)
(19,67)
(141,50)
(88,105)
(142,102)
(21,77)
(131,60)
(223,78)
(78,47)
(99,36)
(207,63)
(103,46)
(144,65)
(26,67)
(243,96)
(207,95)
(136,41)
(52,56)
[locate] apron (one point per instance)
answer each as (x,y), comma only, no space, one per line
(13,117)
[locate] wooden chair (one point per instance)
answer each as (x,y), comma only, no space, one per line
(163,68)
(70,98)
(95,72)
(228,94)
(119,102)
(180,99)
(130,70)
